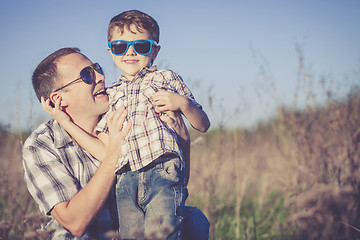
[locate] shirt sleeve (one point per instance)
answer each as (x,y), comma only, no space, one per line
(102,124)
(177,84)
(47,178)
(115,101)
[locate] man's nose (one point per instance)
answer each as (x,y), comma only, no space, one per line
(99,77)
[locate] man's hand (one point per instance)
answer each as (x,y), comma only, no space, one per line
(56,112)
(75,215)
(117,132)
(175,121)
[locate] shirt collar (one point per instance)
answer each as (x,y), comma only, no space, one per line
(139,75)
(61,137)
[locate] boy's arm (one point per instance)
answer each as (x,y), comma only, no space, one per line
(91,143)
(170,101)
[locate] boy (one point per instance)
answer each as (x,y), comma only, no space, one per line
(132,41)
(150,197)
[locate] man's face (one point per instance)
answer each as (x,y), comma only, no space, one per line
(131,63)
(81,100)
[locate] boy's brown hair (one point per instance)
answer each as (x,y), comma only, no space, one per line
(141,20)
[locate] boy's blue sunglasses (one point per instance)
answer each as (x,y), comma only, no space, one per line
(141,46)
(87,75)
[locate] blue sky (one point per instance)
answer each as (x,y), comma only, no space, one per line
(241,54)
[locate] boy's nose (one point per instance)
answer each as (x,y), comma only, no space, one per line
(130,51)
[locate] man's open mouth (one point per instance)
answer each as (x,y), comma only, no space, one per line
(100,92)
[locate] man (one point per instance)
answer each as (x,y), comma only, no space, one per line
(70,185)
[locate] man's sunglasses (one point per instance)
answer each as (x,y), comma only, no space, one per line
(87,75)
(141,46)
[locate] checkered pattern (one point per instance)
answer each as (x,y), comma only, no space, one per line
(55,169)
(149,137)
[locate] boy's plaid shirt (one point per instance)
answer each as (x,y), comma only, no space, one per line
(149,137)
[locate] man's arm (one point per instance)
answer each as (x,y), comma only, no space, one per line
(76,214)
(175,120)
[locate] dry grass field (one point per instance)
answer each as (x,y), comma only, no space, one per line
(296,176)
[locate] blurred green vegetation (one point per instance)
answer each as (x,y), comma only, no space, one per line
(296,176)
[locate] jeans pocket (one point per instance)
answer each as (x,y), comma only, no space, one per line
(119,178)
(172,170)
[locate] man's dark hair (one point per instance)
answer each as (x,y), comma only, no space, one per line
(45,75)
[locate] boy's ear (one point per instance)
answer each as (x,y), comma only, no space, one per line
(157,51)
(154,54)
(108,49)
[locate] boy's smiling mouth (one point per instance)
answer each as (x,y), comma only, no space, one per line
(131,61)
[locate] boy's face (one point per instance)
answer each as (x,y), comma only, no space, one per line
(131,63)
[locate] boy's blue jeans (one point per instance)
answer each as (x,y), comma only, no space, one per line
(151,201)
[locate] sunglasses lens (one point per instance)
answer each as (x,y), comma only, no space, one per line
(98,68)
(118,47)
(142,47)
(87,75)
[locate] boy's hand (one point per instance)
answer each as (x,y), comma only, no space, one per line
(56,112)
(168,101)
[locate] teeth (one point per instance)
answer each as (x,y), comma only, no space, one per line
(101,91)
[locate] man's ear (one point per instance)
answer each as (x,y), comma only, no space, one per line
(54,96)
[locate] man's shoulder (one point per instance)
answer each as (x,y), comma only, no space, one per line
(45,134)
(44,129)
